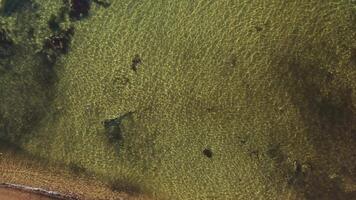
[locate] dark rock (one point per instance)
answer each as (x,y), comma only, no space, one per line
(60,42)
(136,61)
(79,9)
(208,153)
(258,28)
(113,128)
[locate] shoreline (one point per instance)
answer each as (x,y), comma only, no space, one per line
(37,191)
(20,175)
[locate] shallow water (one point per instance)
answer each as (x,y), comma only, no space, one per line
(185,100)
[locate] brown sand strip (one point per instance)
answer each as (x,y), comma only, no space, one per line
(11,194)
(21,192)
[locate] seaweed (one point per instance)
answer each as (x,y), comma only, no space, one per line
(79,9)
(54,47)
(28,59)
(6,45)
(59,43)
(136,61)
(54,23)
(113,129)
(13,6)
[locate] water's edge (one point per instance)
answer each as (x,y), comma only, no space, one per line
(39,191)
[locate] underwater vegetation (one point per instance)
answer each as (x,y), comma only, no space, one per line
(185,99)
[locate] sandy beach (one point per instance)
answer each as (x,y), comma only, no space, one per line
(11,194)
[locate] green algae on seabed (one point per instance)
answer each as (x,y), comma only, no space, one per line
(12,6)
(267,87)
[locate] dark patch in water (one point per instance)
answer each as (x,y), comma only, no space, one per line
(55,20)
(136,61)
(77,169)
(275,153)
(314,90)
(208,153)
(31,33)
(120,185)
(254,153)
(296,177)
(103,3)
(53,23)
(258,28)
(353,57)
(113,128)
(59,43)
(55,46)
(32,83)
(320,186)
(232,61)
(326,109)
(6,45)
(12,6)
(79,9)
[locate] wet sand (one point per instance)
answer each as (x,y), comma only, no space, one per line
(22,192)
(12,194)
